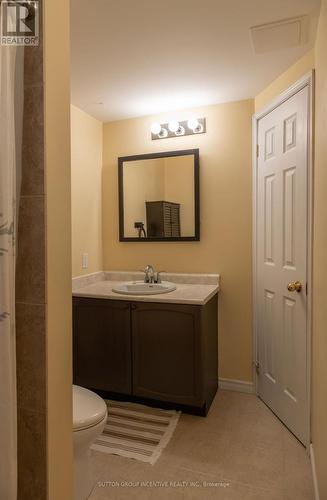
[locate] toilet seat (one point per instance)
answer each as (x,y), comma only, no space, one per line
(88,409)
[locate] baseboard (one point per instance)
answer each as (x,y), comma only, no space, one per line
(236,385)
(314,473)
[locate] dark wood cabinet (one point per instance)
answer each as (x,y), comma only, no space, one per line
(102,344)
(163,219)
(167,352)
(148,352)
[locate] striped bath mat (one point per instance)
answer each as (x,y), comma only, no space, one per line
(136,431)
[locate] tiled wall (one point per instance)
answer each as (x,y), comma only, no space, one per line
(31,291)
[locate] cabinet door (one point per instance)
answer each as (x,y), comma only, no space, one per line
(166,352)
(102,345)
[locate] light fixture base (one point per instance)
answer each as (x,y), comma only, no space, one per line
(183,130)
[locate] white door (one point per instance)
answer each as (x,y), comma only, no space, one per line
(282,208)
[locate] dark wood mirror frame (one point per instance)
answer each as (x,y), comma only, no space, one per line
(152,156)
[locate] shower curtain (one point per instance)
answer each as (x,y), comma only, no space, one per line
(8,195)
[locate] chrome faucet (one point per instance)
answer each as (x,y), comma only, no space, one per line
(149,274)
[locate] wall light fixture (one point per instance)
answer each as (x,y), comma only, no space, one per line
(178,128)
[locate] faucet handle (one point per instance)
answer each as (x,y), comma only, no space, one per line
(158,277)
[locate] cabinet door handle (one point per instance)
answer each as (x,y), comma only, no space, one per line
(134,306)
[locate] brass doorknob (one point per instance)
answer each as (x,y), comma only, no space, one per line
(294,286)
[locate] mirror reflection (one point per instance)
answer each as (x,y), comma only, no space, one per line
(158,197)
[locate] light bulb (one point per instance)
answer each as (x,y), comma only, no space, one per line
(173,126)
(156,128)
(193,123)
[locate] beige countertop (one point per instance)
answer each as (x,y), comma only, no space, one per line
(197,290)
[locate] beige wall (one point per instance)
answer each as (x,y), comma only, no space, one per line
(319,414)
(58,253)
(285,80)
(86,171)
(179,188)
(226,232)
(143,181)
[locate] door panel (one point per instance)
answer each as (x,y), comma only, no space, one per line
(269,218)
(289,215)
(269,339)
(282,259)
(289,320)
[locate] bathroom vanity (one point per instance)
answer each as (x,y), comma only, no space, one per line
(157,349)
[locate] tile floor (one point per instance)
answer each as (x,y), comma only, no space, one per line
(241,451)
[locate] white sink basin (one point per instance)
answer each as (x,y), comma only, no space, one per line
(141,288)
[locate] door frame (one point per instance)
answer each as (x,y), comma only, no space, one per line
(307,81)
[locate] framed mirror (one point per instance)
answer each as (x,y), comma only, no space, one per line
(159,196)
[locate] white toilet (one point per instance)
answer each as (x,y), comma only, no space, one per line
(89,418)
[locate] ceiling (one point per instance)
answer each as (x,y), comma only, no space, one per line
(141,57)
